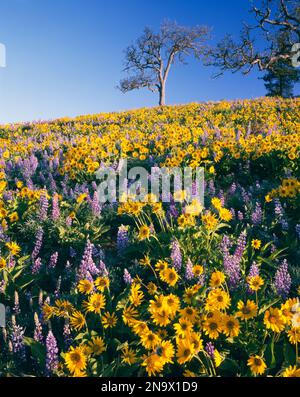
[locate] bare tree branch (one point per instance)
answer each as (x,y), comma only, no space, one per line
(149,60)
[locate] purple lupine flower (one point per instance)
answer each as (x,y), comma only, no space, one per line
(189,275)
(127,277)
(38,243)
(210,350)
(122,239)
(232,188)
(279,211)
(176,255)
(257,214)
(172,212)
(36,267)
(43,207)
(51,354)
(55,207)
(38,329)
(17,340)
(53,260)
(95,205)
(16,308)
(231,263)
(87,266)
(283,280)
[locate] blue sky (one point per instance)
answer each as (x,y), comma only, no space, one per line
(64,57)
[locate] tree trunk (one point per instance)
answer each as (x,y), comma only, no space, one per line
(162,95)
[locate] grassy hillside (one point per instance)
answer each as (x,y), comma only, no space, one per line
(153,288)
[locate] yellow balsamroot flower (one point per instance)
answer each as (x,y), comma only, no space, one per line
(63,308)
(151,288)
(145,261)
(109,320)
(294,335)
(150,340)
(212,325)
(13,248)
(85,286)
(96,346)
(139,327)
(75,360)
(257,365)
(230,326)
(169,276)
(189,313)
(212,170)
(217,299)
(256,244)
(225,214)
(128,356)
(255,283)
(183,327)
(166,351)
(14,217)
(102,283)
(246,310)
(274,320)
(194,209)
(161,317)
(2,263)
(185,351)
(157,304)
(197,270)
(153,363)
(197,342)
(291,372)
(161,265)
(287,309)
(129,315)
(77,320)
(48,311)
(136,295)
(81,198)
(144,232)
(172,303)
(217,279)
(95,303)
(268,198)
(209,220)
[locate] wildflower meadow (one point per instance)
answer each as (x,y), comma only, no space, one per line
(130,288)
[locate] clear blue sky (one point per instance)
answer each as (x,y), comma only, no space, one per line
(64,57)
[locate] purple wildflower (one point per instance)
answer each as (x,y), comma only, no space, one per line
(176,255)
(283,280)
(51,354)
